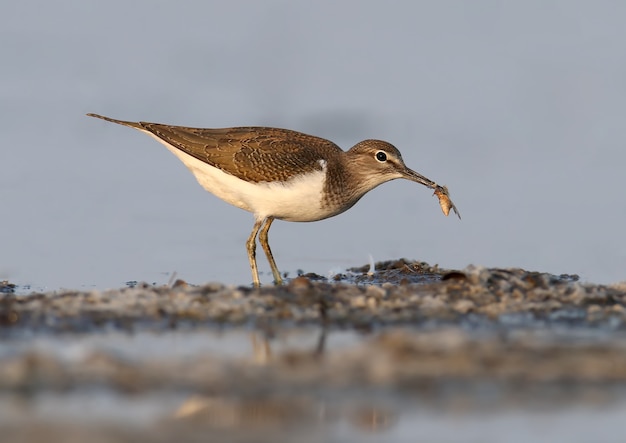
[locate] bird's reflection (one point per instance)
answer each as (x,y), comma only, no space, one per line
(279,410)
(262,353)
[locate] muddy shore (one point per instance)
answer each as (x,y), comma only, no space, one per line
(365,348)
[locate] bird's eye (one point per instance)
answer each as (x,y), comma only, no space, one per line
(381,156)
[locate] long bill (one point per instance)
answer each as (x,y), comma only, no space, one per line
(410,174)
(440,191)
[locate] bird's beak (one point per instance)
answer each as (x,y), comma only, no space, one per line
(410,174)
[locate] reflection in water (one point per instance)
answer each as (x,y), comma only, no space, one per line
(228,412)
(261,350)
(401,382)
(262,347)
(373,419)
(279,410)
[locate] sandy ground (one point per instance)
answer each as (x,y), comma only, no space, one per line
(367,352)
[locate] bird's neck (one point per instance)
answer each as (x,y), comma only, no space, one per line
(345,184)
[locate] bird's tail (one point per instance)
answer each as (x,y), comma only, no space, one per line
(119,122)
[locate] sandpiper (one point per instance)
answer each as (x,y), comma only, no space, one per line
(282,174)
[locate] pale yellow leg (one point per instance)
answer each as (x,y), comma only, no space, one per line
(251,247)
(268,252)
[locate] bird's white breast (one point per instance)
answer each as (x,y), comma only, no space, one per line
(298,199)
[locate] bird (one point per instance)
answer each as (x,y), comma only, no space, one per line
(281,174)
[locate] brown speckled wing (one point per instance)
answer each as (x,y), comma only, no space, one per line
(255,154)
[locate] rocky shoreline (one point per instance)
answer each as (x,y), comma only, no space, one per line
(397,293)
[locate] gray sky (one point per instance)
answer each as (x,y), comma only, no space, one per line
(519,107)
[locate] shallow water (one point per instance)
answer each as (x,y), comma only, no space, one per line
(402,352)
(485,410)
(125,418)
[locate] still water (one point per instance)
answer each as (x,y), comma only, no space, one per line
(104,398)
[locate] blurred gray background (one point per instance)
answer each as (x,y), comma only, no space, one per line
(519,107)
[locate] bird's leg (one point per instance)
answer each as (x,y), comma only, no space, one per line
(251,247)
(268,252)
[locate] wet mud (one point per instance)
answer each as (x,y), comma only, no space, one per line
(361,352)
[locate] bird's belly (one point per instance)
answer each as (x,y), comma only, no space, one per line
(297,200)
